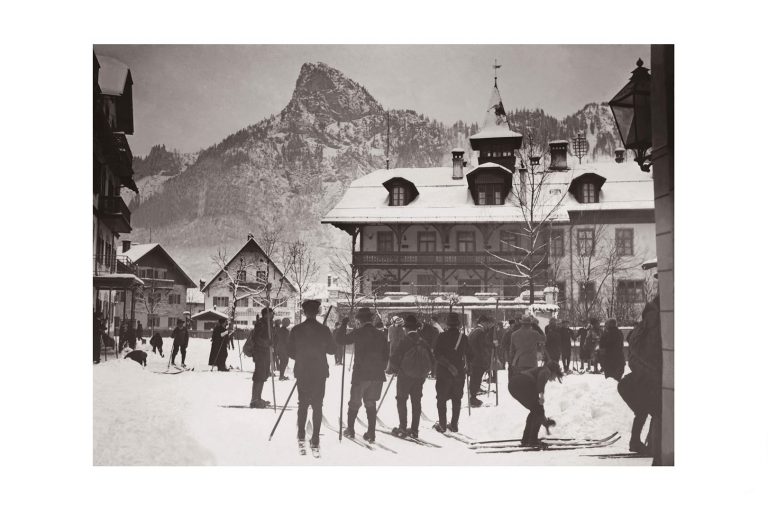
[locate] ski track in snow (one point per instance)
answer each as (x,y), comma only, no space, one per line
(145,418)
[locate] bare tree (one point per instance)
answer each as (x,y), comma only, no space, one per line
(300,266)
(243,279)
(350,280)
(538,200)
(151,295)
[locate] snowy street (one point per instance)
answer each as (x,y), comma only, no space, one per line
(145,418)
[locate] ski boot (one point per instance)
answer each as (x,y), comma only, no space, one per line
(349,432)
(283,377)
(453,427)
(370,436)
(412,432)
(475,402)
(399,432)
(440,428)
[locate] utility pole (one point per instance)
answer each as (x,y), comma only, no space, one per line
(387,140)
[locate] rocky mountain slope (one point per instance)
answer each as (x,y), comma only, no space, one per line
(288,170)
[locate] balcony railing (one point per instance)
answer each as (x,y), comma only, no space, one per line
(117,264)
(115,213)
(492,291)
(430,259)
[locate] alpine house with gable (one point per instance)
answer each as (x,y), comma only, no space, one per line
(426,237)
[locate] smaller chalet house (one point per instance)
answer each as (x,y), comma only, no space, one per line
(259,269)
(163,298)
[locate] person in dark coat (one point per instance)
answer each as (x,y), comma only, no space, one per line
(552,344)
(481,345)
(137,355)
(524,347)
(429,333)
(612,350)
(409,385)
(451,350)
(566,337)
(282,346)
(156,342)
(130,336)
(218,355)
(308,344)
(262,346)
(338,356)
(140,333)
(371,354)
(535,325)
(528,388)
(123,335)
(98,330)
(180,337)
(592,345)
(641,388)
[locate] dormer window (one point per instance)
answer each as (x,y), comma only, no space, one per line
(489,193)
(398,196)
(588,193)
(489,184)
(586,187)
(401,191)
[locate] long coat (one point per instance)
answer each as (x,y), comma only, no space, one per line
(612,353)
(371,352)
(308,344)
(218,345)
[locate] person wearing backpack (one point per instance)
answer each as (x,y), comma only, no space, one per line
(309,344)
(481,344)
(527,388)
(450,353)
(371,354)
(411,362)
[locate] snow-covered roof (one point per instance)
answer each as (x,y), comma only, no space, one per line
(112,75)
(255,245)
(495,124)
(444,199)
(138,251)
(209,314)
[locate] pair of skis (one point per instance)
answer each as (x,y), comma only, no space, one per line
(174,370)
(359,442)
(303,444)
(514,445)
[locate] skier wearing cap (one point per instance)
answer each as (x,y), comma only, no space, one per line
(524,346)
(450,352)
(371,354)
(481,345)
(262,344)
(308,344)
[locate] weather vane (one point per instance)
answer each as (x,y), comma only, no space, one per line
(496,66)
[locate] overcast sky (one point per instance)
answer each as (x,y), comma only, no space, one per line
(189,97)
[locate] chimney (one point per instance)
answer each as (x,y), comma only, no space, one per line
(202,285)
(619,152)
(458,163)
(558,151)
(126,246)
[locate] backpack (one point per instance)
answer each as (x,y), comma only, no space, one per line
(417,361)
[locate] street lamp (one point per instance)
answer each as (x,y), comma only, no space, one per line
(631,109)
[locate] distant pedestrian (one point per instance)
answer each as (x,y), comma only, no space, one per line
(140,333)
(612,350)
(122,335)
(218,355)
(282,346)
(528,388)
(395,335)
(308,344)
(481,346)
(566,337)
(262,342)
(412,362)
(451,350)
(131,336)
(552,344)
(98,331)
(371,355)
(591,345)
(429,332)
(156,342)
(338,355)
(180,337)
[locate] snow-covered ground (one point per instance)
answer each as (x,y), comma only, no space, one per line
(147,418)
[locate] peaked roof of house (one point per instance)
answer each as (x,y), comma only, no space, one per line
(252,244)
(113,75)
(495,124)
(139,251)
(443,199)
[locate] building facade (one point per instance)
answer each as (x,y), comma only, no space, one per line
(253,270)
(112,169)
(483,238)
(162,299)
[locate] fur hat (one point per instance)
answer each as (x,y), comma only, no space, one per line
(310,306)
(364,315)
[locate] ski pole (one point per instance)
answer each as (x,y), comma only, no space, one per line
(341,404)
(391,378)
(469,395)
(283,410)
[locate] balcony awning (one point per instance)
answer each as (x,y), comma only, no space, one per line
(209,315)
(116,281)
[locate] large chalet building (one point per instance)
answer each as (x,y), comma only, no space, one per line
(112,170)
(259,269)
(162,300)
(427,238)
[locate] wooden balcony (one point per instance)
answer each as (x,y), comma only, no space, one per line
(431,259)
(115,213)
